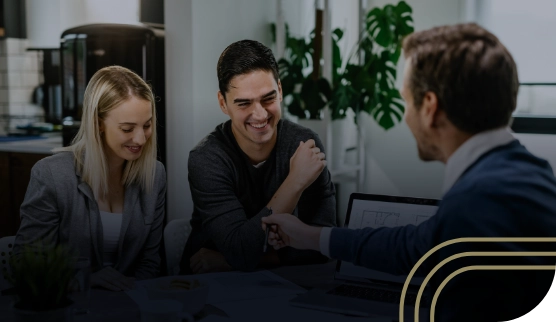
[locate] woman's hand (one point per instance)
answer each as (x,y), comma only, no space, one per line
(110,279)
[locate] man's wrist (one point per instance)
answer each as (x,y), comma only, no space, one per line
(294,185)
(314,238)
(324,241)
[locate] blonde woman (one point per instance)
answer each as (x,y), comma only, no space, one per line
(104,195)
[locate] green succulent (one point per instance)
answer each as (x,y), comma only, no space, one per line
(40,275)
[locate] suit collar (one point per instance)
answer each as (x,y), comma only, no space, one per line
(471,150)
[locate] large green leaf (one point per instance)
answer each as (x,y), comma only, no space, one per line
(385,71)
(343,99)
(379,27)
(387,109)
(314,95)
(290,76)
(404,21)
(337,35)
(295,107)
(298,52)
(359,79)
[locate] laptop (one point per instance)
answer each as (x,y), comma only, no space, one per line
(361,291)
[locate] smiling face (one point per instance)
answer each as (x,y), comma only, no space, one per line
(253,105)
(126,129)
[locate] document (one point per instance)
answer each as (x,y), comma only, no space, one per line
(231,286)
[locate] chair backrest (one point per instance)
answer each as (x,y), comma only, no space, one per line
(175,236)
(6,245)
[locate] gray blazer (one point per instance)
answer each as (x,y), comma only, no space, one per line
(60,207)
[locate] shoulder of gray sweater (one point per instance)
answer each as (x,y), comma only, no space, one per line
(210,144)
(292,133)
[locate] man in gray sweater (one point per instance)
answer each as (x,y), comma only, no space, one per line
(250,164)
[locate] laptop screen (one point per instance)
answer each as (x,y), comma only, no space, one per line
(365,210)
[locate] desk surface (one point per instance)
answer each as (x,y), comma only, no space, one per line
(118,306)
(308,276)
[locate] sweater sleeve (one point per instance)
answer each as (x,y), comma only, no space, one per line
(316,207)
(224,220)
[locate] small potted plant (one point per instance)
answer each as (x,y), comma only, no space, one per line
(40,276)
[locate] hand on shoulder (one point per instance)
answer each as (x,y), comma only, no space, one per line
(306,164)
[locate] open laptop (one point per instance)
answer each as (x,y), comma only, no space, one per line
(364,292)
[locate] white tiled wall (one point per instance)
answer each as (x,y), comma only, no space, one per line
(20,74)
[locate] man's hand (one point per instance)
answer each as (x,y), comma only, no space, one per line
(208,261)
(112,280)
(306,164)
(288,230)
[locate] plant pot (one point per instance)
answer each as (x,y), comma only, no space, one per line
(63,314)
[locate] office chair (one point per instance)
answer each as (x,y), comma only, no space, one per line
(6,245)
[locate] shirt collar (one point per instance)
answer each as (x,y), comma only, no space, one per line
(471,150)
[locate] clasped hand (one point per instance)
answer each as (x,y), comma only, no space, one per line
(112,280)
(207,261)
(307,163)
(288,230)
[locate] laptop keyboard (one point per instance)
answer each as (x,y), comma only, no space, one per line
(375,294)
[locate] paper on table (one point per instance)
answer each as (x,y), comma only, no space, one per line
(233,286)
(281,310)
(139,295)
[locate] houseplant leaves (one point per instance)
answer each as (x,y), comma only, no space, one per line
(372,87)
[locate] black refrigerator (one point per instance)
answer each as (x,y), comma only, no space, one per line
(86,49)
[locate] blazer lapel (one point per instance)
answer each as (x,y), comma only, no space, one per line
(130,199)
(94,221)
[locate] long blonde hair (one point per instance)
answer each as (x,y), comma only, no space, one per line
(108,88)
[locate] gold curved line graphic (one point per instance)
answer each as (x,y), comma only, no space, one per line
(467,254)
(461,240)
(483,268)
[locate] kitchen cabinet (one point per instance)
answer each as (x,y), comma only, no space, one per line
(12,19)
(15,173)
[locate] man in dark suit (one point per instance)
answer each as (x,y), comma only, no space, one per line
(460,87)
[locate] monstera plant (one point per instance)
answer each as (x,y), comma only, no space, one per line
(369,86)
(305,91)
(363,82)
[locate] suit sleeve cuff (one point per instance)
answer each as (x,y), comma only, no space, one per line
(324,241)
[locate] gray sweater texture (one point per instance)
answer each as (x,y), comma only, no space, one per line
(230,196)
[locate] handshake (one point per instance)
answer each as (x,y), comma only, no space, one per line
(287,230)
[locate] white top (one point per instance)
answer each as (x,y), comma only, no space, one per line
(459,161)
(111,225)
(260,164)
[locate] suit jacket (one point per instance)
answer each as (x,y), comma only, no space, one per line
(61,208)
(507,192)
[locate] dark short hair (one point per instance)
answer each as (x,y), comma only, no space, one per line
(473,75)
(243,57)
